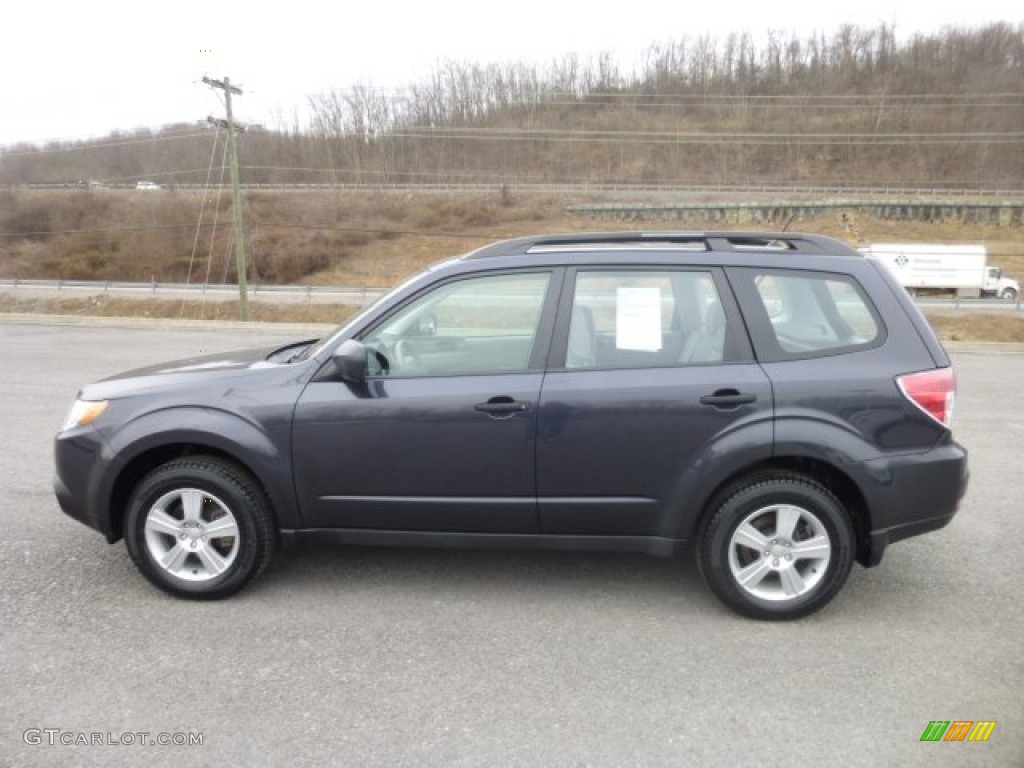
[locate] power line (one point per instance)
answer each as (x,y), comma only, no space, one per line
(879,97)
(538,95)
(471,131)
(592,99)
(638,88)
(373,231)
(412,131)
(98,230)
(199,221)
(236,202)
(90,146)
(497,176)
(587,103)
(735,139)
(161,174)
(258,224)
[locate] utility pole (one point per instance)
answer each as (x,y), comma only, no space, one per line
(236,190)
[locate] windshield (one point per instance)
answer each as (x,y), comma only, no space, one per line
(315,349)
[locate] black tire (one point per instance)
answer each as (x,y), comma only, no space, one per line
(174,507)
(1008,294)
(795,569)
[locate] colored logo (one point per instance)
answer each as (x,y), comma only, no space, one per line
(958,730)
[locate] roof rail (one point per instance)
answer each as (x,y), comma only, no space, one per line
(789,242)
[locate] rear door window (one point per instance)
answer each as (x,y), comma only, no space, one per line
(646,318)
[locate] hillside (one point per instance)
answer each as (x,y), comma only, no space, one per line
(858,107)
(362,238)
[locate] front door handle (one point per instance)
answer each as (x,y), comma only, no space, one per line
(728,398)
(503,406)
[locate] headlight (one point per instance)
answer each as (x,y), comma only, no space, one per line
(83,412)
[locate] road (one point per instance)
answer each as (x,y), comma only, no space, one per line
(324,294)
(419,658)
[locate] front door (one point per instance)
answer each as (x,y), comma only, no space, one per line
(442,436)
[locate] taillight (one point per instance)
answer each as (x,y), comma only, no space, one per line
(931,391)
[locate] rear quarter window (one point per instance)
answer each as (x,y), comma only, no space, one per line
(797,314)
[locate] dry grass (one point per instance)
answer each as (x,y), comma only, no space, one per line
(978,326)
(107,306)
(339,237)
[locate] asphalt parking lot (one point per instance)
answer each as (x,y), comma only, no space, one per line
(382,657)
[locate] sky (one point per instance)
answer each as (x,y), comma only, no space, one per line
(72,70)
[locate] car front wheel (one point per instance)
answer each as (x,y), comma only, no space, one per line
(199,527)
(777,546)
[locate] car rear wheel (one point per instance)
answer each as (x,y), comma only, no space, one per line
(199,527)
(777,546)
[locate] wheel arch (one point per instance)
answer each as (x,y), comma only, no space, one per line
(160,437)
(838,482)
(128,478)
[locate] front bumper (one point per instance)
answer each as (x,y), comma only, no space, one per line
(76,457)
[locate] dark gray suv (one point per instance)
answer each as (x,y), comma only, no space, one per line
(773,400)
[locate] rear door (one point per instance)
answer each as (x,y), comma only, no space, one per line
(652,391)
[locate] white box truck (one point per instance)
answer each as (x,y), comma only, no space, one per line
(960,269)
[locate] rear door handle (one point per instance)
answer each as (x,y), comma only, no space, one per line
(503,405)
(728,398)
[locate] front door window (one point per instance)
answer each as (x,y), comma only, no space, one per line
(481,325)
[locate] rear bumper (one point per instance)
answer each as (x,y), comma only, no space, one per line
(879,540)
(911,495)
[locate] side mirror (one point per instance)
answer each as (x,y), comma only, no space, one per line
(350,361)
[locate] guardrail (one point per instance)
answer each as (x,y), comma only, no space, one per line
(933,302)
(995,212)
(320,293)
(351,294)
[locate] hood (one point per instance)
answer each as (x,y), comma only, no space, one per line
(191,371)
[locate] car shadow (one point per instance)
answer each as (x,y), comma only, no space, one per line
(539,575)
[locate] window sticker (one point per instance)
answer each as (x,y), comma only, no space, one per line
(638,319)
